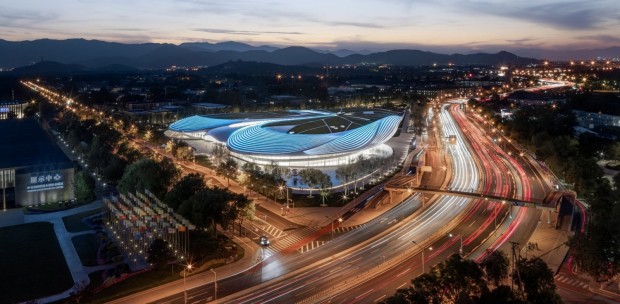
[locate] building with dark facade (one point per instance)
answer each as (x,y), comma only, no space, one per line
(33,169)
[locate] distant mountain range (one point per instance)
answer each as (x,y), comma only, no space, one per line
(566,55)
(95,54)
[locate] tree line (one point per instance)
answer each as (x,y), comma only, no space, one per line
(459,280)
(548,131)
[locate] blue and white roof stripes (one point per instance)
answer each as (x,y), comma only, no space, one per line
(258,136)
(372,134)
(259,140)
(200,123)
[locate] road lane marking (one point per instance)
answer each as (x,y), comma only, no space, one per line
(402,273)
(364,293)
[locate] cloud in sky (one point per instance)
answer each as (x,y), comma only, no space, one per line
(356,24)
(23,18)
(243,32)
(601,38)
(334,24)
(570,15)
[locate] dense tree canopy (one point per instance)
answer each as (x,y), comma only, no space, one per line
(458,280)
(547,131)
(537,281)
(149,174)
(185,188)
(84,187)
(214,206)
(495,267)
(263,182)
(228,169)
(315,178)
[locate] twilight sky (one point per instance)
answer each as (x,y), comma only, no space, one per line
(439,25)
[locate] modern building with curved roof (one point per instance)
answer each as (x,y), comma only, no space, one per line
(304,138)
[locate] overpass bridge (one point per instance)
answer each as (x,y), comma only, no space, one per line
(550,201)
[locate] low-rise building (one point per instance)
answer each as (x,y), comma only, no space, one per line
(591,120)
(12,109)
(33,169)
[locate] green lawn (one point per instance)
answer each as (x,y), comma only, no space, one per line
(32,263)
(86,246)
(73,223)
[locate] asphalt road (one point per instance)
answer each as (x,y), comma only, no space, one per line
(390,239)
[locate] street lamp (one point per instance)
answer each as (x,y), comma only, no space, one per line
(461,247)
(429,248)
(282,188)
(215,283)
(189,268)
(340,220)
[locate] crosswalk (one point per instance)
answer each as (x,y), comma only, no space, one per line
(288,240)
(347,228)
(311,245)
(273,231)
(281,240)
(564,279)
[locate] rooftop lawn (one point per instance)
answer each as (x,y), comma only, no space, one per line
(32,263)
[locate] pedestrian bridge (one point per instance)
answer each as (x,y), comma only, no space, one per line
(550,201)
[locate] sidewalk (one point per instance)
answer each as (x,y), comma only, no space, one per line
(11,217)
(549,243)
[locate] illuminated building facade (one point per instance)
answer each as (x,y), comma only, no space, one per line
(33,169)
(296,139)
(12,109)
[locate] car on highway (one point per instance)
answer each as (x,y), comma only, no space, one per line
(263,241)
